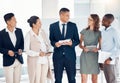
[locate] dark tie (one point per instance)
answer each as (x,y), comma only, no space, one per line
(63,31)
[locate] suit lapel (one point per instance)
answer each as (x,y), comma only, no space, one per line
(58,29)
(17,37)
(8,38)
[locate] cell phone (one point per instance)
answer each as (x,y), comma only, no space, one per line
(49,52)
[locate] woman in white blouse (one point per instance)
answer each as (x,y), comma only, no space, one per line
(36,47)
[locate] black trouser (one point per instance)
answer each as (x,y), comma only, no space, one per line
(69,65)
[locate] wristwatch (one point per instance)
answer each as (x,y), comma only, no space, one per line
(110,58)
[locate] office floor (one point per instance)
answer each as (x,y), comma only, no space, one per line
(101,79)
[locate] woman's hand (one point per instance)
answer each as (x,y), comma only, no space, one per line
(85,49)
(95,50)
(42,54)
(48,54)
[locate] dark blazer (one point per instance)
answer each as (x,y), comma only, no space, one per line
(55,36)
(6,45)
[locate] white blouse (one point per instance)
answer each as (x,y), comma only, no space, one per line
(41,59)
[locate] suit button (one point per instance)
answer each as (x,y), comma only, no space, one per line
(15,55)
(63,53)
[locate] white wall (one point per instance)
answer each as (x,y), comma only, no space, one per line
(22,9)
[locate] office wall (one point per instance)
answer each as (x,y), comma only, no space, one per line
(48,12)
(22,9)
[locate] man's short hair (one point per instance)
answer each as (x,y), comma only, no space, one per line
(63,10)
(8,16)
(109,16)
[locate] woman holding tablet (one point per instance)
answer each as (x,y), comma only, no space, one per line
(90,38)
(37,49)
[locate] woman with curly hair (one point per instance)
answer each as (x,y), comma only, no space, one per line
(89,40)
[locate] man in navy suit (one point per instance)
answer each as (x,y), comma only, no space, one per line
(64,37)
(11,46)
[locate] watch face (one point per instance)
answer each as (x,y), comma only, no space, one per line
(110,58)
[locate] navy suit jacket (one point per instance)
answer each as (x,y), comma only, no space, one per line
(6,45)
(55,36)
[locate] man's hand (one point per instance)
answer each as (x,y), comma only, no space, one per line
(68,43)
(11,53)
(107,61)
(57,44)
(20,51)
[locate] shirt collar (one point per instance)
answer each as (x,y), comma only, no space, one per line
(7,30)
(60,22)
(108,28)
(33,34)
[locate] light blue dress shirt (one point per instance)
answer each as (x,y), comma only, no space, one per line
(110,42)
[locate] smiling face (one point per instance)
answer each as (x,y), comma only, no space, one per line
(90,21)
(12,22)
(64,16)
(93,22)
(37,24)
(106,22)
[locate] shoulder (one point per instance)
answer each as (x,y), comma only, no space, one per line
(3,30)
(71,23)
(113,29)
(99,33)
(43,31)
(83,31)
(2,33)
(55,23)
(18,29)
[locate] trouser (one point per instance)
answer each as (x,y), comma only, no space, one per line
(70,67)
(37,72)
(13,72)
(109,72)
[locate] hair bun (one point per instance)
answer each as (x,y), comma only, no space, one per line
(28,20)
